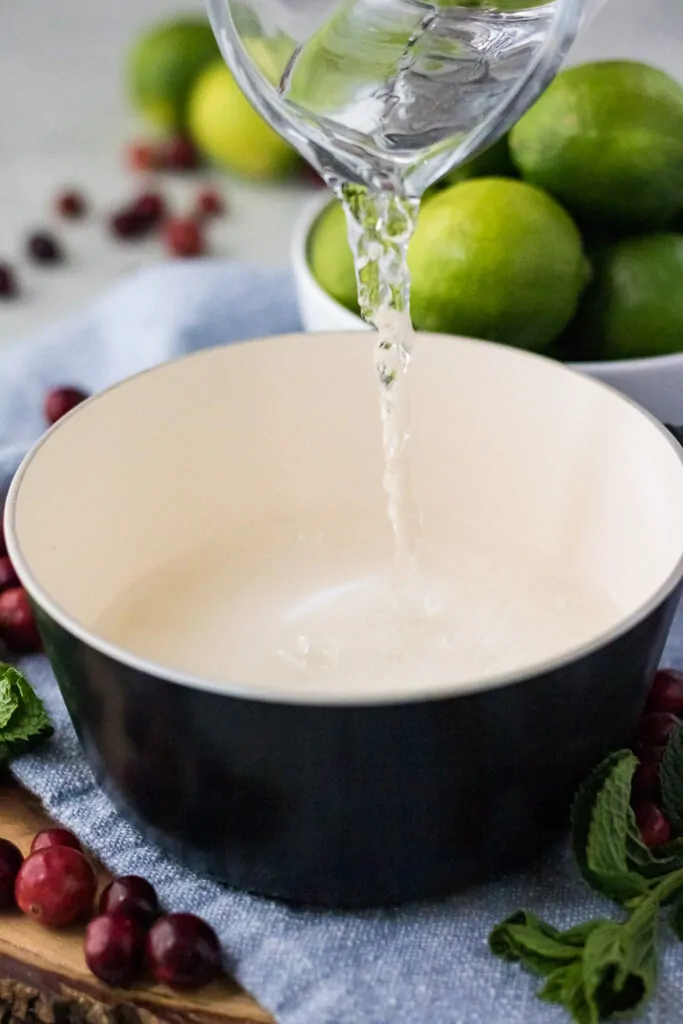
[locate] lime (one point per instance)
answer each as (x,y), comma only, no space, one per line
(227,129)
(330,259)
(494,162)
(606,139)
(634,305)
(498,259)
(163,65)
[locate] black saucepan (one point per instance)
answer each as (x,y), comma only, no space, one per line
(361,797)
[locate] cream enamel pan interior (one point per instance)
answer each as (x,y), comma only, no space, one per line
(510,452)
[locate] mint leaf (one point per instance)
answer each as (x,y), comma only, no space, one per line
(671,778)
(652,865)
(524,938)
(620,962)
(565,986)
(9,696)
(604,831)
(604,969)
(23,718)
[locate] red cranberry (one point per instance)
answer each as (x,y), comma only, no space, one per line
(150,206)
(656,729)
(654,828)
(114,945)
(128,224)
(55,837)
(180,154)
(8,282)
(143,156)
(10,862)
(43,247)
(17,626)
(56,886)
(646,779)
(8,576)
(183,237)
(667,692)
(71,204)
(649,755)
(133,896)
(210,203)
(60,401)
(183,951)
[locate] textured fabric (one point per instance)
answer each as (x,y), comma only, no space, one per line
(426,964)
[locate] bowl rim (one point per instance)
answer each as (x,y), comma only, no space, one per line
(318,698)
(303,226)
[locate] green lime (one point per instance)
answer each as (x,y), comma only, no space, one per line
(494,162)
(634,305)
(227,129)
(606,139)
(163,65)
(498,259)
(330,259)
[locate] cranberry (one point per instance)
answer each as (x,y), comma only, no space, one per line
(655,729)
(114,946)
(183,237)
(649,755)
(10,862)
(8,282)
(8,576)
(133,896)
(667,692)
(646,779)
(71,204)
(55,837)
(43,247)
(183,951)
(60,401)
(143,156)
(56,886)
(654,828)
(128,223)
(180,154)
(150,206)
(210,203)
(17,626)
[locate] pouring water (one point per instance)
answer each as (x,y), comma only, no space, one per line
(383,97)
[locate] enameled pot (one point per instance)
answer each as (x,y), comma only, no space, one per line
(324,797)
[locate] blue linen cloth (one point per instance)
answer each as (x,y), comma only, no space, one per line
(421,964)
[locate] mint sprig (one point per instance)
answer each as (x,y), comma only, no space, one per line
(24,722)
(606,968)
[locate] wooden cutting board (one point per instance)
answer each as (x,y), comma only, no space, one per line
(44,980)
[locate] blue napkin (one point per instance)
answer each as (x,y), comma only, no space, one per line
(422,964)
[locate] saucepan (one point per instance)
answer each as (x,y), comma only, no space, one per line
(172,494)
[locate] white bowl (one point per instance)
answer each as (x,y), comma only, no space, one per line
(656,383)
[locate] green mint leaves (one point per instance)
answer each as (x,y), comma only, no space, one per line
(24,721)
(596,970)
(671,778)
(603,969)
(603,828)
